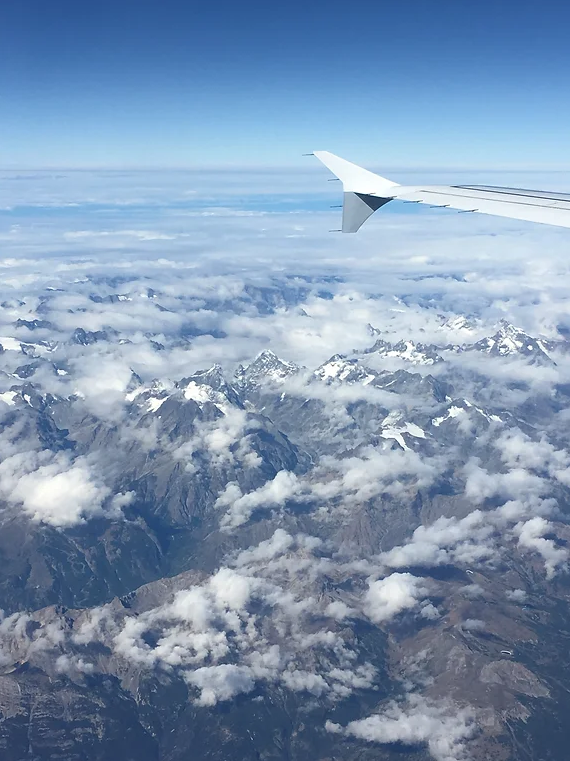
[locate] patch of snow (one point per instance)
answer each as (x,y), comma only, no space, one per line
(197,393)
(407,351)
(458,323)
(340,369)
(392,428)
(10,344)
(153,404)
(132,395)
(451,413)
(487,416)
(331,370)
(267,366)
(203,393)
(8,397)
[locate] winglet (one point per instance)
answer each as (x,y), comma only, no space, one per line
(364,191)
(354,178)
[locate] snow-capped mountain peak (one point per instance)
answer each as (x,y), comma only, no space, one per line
(415,353)
(338,368)
(510,341)
(266,367)
(210,386)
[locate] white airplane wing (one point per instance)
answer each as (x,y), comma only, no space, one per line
(365,192)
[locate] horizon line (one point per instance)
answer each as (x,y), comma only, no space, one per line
(517,168)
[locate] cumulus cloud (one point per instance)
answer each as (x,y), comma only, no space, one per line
(372,472)
(516,483)
(102,382)
(279,543)
(221,682)
(447,540)
(274,493)
(56,490)
(473,625)
(387,597)
(473,591)
(444,728)
(519,450)
(531,535)
(67,664)
(258,619)
(212,632)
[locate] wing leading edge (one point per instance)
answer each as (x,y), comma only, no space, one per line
(364,192)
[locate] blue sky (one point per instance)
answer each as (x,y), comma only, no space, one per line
(182,84)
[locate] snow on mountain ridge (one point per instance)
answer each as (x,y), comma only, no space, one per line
(511,341)
(415,353)
(338,368)
(267,366)
(394,428)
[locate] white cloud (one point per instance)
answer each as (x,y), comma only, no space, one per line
(473,625)
(446,540)
(531,536)
(444,728)
(387,597)
(516,595)
(221,682)
(54,489)
(283,487)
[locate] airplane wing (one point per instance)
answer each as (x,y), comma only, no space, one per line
(365,192)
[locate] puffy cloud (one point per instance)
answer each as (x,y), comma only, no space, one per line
(476,539)
(224,440)
(279,543)
(54,489)
(473,591)
(274,493)
(216,623)
(102,380)
(221,682)
(517,483)
(447,540)
(372,472)
(473,625)
(429,611)
(257,620)
(531,535)
(387,597)
(338,609)
(444,728)
(519,450)
(304,681)
(67,664)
